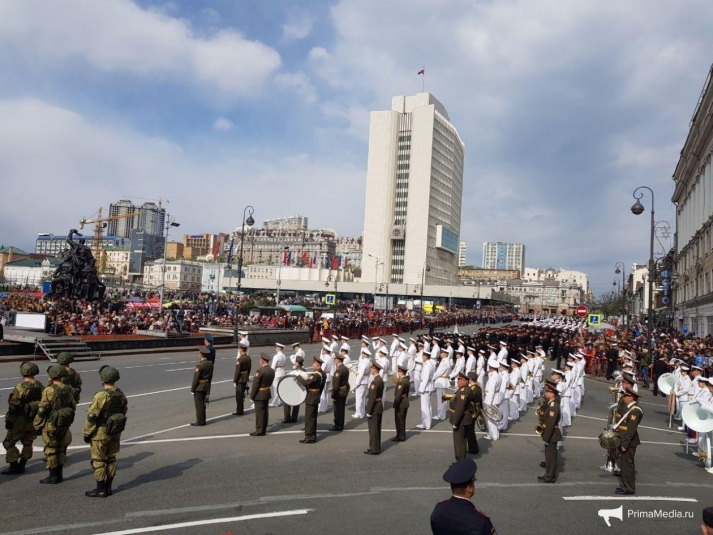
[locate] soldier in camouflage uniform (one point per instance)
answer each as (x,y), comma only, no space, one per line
(54,416)
(106,420)
(73,378)
(21,410)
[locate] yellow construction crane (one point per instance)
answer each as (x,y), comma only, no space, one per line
(100,224)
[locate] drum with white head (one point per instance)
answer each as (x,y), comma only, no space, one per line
(291,392)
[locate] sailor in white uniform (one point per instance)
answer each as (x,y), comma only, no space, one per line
(442,383)
(481,368)
(416,374)
(329,368)
(491,396)
(505,393)
(278,364)
(471,361)
(425,389)
(503,353)
(362,383)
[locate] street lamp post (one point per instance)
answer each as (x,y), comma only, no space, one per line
(279,273)
(623,283)
(249,210)
(638,209)
(333,278)
(376,273)
(170,222)
(426,268)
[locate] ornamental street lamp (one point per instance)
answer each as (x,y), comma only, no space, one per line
(623,283)
(333,278)
(286,249)
(249,210)
(638,209)
(170,222)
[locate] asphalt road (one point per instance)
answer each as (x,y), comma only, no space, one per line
(218,480)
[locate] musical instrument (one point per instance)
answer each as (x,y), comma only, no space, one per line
(666,383)
(480,422)
(539,429)
(697,418)
(290,391)
(447,396)
(493,413)
(542,403)
(610,440)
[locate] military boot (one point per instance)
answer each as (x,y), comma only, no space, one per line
(13,469)
(52,478)
(109,481)
(21,465)
(60,475)
(99,492)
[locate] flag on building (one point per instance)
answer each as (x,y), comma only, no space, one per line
(304,258)
(422,71)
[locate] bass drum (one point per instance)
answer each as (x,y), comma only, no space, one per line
(291,392)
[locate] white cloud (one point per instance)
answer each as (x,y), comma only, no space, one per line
(298,26)
(222,124)
(81,165)
(318,53)
(118,36)
(299,83)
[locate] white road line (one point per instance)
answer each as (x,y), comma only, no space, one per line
(627,498)
(180,369)
(641,426)
(207,522)
(129,440)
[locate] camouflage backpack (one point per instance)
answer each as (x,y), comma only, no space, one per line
(115,421)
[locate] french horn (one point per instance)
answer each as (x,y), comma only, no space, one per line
(492,413)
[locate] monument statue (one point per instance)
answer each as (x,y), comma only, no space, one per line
(76,277)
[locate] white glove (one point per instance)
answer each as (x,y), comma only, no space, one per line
(368,415)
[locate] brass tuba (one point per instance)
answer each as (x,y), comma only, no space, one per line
(542,403)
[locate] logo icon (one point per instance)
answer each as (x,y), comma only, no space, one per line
(606,514)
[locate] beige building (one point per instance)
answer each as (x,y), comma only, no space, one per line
(174,249)
(116,262)
(490,274)
(195,245)
(545,297)
(180,275)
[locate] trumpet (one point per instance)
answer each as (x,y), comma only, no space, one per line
(539,429)
(613,389)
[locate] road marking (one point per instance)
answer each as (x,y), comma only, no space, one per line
(207,522)
(128,440)
(180,369)
(641,426)
(627,498)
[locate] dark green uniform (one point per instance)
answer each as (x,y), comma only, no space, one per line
(200,388)
(401,404)
(242,375)
(55,436)
(18,421)
(74,380)
(315,386)
(550,436)
(340,391)
(628,429)
(260,395)
(476,409)
(374,412)
(460,408)
(104,445)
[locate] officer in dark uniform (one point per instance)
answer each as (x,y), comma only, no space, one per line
(242,374)
(73,379)
(340,391)
(458,515)
(200,388)
(401,404)
(260,394)
(612,355)
(292,413)
(460,415)
(315,386)
(475,412)
(660,367)
(375,409)
(208,341)
(550,431)
(628,430)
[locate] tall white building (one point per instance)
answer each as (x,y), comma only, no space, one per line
(498,255)
(561,275)
(151,218)
(414,187)
(461,254)
(292,222)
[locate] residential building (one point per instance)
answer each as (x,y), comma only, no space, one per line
(488,274)
(151,218)
(561,275)
(461,254)
(174,249)
(31,271)
(116,262)
(12,254)
(499,255)
(414,190)
(315,247)
(180,275)
(547,296)
(351,248)
(217,277)
(195,245)
(292,222)
(693,244)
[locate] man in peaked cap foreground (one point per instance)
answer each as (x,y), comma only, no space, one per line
(458,515)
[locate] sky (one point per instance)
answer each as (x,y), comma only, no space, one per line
(565,108)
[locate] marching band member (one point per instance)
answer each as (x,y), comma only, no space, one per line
(299,352)
(471,361)
(416,375)
(705,399)
(402,357)
(401,404)
(503,353)
(538,372)
(382,357)
(435,350)
(459,366)
(327,367)
(582,363)
(565,417)
(293,412)
(505,394)
(277,364)
(428,372)
(244,338)
(515,384)
(375,409)
(492,396)
(426,344)
(525,381)
(693,391)
(551,434)
(412,349)
(477,409)
(570,375)
(450,350)
(362,382)
(334,346)
(681,393)
(480,368)
(345,344)
(442,382)
(393,353)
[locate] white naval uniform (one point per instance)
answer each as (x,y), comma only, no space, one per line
(383,361)
(416,374)
(394,353)
(402,359)
(480,370)
(539,370)
(442,383)
(426,388)
(435,352)
(344,346)
(427,347)
(245,338)
(491,394)
(334,347)
(299,353)
(278,364)
(458,368)
(328,368)
(362,385)
(681,392)
(526,384)
(470,364)
(450,352)
(565,405)
(515,397)
(412,349)
(705,400)
(503,355)
(504,404)
(571,379)
(582,373)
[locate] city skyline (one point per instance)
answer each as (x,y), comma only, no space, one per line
(555,141)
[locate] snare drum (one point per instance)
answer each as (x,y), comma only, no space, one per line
(291,392)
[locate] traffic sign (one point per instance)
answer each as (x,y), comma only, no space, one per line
(594,319)
(330,299)
(582,311)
